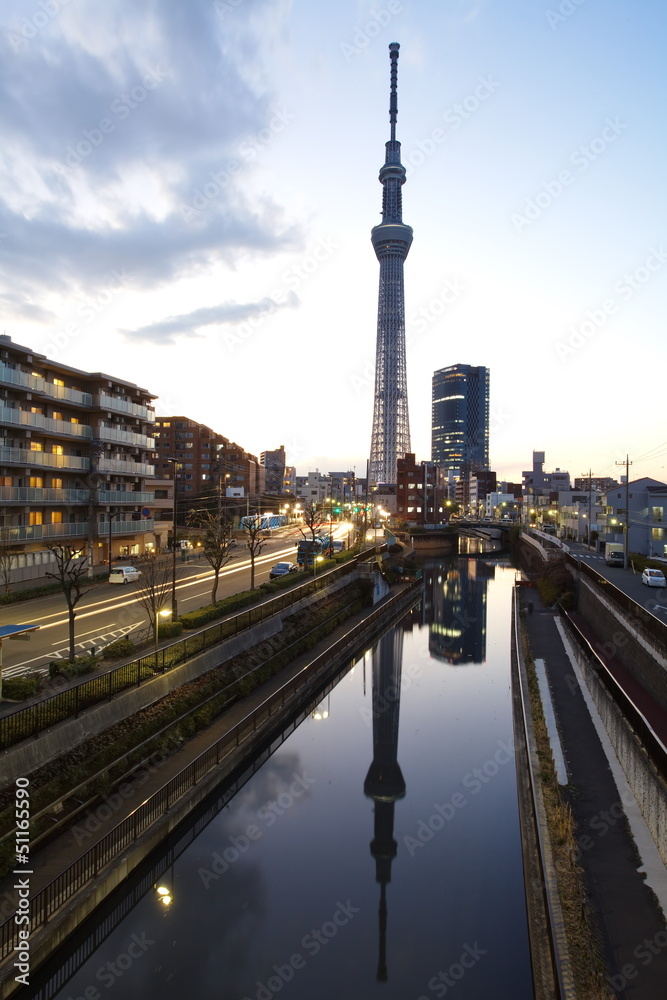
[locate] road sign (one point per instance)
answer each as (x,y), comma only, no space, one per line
(145,511)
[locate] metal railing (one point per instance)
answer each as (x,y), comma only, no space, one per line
(641,616)
(54,895)
(647,736)
(28,722)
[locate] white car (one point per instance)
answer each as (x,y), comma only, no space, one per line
(654,578)
(124,574)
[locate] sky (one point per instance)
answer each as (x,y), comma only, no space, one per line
(187,191)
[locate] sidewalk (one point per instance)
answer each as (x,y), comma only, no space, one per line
(627,915)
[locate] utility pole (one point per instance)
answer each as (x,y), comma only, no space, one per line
(93,491)
(627,465)
(590,503)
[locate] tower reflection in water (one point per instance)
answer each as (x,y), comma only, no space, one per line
(384,782)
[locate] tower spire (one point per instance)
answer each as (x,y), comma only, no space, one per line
(390,437)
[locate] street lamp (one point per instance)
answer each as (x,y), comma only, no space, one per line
(316,559)
(174,605)
(158,614)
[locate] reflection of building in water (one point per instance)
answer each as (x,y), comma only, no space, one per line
(384,782)
(455,609)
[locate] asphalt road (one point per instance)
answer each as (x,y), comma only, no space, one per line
(110,611)
(654,599)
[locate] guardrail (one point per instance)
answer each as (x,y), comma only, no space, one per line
(54,895)
(649,739)
(30,721)
(652,625)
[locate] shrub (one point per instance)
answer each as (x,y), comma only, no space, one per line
(69,669)
(118,648)
(394,548)
(18,688)
(170,630)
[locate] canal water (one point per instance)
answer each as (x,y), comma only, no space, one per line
(376,853)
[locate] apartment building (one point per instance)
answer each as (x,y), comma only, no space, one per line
(206,460)
(76,462)
(420,491)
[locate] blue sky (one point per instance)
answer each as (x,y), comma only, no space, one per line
(187,192)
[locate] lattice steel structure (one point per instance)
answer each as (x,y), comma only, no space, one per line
(390,439)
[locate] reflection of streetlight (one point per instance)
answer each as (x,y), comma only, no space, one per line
(164,895)
(158,615)
(324,713)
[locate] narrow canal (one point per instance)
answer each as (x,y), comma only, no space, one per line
(376,853)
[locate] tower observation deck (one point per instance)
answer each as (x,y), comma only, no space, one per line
(391,240)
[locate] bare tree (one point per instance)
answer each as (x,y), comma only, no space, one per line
(70,573)
(315,517)
(216,541)
(255,542)
(154,587)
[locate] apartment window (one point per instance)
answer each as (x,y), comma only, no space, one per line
(35,517)
(657,534)
(74,420)
(165,424)
(36,446)
(37,409)
(56,449)
(59,381)
(56,483)
(188,444)
(37,482)
(56,517)
(56,415)
(656,513)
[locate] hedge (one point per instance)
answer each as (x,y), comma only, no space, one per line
(18,688)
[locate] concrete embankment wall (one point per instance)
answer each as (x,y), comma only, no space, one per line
(639,652)
(647,785)
(28,756)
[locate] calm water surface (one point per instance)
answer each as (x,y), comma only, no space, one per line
(376,853)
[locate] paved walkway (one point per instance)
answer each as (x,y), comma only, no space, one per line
(632,940)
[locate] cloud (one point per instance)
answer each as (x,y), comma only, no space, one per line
(111,118)
(188,324)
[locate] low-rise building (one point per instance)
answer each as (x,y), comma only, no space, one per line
(420,491)
(642,504)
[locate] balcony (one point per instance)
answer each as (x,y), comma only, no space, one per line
(43,459)
(63,428)
(35,383)
(79,529)
(125,496)
(125,437)
(127,468)
(104,401)
(35,494)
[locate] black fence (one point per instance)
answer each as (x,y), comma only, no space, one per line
(54,895)
(31,720)
(634,717)
(639,615)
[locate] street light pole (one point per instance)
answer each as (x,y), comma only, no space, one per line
(174,603)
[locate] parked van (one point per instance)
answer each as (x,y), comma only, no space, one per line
(124,574)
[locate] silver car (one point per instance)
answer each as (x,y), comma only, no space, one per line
(282,569)
(654,578)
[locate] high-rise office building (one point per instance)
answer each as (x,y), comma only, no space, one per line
(460,418)
(390,439)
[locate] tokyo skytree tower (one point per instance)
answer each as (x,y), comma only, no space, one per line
(391,241)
